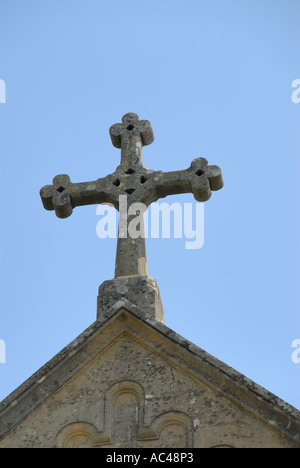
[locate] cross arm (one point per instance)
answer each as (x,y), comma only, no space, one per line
(64,195)
(200,179)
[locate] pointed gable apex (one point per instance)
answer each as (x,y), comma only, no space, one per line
(130,365)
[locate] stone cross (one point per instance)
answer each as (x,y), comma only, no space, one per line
(139,184)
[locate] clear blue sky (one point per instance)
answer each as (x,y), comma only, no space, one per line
(214,78)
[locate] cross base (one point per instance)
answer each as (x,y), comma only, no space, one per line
(140,291)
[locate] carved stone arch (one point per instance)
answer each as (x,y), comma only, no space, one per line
(123,386)
(77,435)
(173,429)
(124,411)
(222,446)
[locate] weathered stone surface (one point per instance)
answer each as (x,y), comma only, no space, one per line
(128,380)
(139,184)
(133,179)
(140,291)
(132,382)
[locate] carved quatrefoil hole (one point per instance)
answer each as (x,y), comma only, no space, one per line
(60,189)
(143,179)
(116,182)
(130,171)
(199,172)
(130,127)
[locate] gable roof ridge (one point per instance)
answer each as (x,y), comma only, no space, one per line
(290,414)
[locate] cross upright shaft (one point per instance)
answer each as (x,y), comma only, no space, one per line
(139,184)
(131,135)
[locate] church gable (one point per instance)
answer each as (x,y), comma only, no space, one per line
(128,385)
